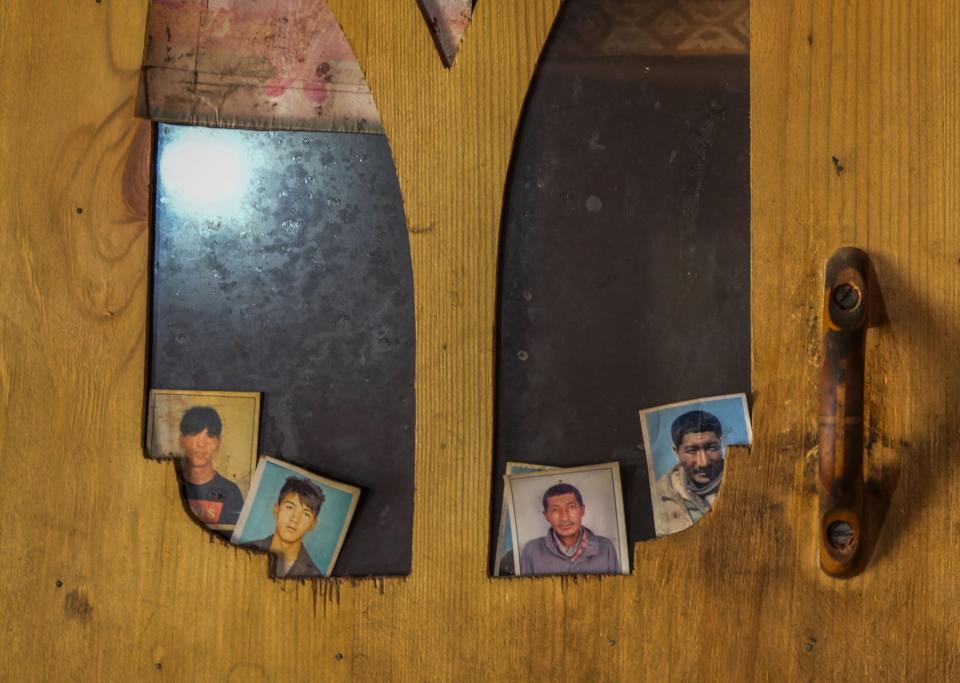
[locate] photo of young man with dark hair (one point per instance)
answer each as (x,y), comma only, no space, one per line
(296,512)
(213,499)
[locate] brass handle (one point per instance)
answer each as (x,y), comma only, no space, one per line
(841,412)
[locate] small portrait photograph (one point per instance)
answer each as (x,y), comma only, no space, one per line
(686,445)
(505,563)
(213,437)
(300,518)
(568,521)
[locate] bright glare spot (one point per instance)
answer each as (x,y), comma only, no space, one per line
(207,172)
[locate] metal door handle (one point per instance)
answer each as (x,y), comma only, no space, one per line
(841,412)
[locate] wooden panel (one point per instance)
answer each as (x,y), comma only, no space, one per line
(143,592)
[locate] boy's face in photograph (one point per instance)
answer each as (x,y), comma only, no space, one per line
(294,519)
(199,449)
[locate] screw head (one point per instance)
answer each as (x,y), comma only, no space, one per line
(846,296)
(840,536)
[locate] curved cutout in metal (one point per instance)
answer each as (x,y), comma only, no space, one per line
(282,265)
(624,278)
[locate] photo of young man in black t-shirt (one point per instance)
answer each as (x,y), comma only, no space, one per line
(214,500)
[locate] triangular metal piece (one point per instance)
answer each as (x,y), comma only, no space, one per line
(447,20)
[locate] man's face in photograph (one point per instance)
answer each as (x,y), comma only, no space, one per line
(199,449)
(701,455)
(564,514)
(294,519)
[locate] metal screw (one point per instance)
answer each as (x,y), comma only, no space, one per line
(846,296)
(840,535)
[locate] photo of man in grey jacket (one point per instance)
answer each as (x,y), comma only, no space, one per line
(568,547)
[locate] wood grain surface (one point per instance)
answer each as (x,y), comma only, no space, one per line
(103,577)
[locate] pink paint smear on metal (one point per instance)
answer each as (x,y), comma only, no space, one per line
(279,65)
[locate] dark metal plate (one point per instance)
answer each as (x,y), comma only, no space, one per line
(290,275)
(625,252)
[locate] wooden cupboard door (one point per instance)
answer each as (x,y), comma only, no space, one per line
(854,141)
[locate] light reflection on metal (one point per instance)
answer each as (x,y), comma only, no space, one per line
(206,173)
